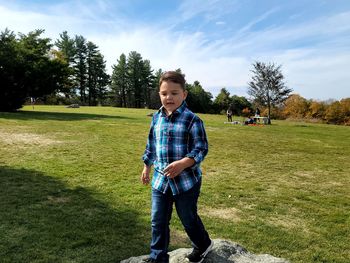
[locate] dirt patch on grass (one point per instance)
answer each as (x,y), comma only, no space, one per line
(289,223)
(58,200)
(178,237)
(26,139)
(305,174)
(232,214)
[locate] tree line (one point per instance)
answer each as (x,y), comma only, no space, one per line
(73,70)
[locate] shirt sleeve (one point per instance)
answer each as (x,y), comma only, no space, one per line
(199,143)
(150,151)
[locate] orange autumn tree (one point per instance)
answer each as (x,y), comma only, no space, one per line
(296,107)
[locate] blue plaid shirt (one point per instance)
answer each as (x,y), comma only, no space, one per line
(172,138)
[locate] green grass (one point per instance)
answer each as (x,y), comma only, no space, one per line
(70,189)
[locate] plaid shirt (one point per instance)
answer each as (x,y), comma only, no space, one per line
(172,138)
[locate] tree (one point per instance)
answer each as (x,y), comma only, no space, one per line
(345,110)
(28,68)
(135,96)
(154,96)
(92,55)
(334,113)
(317,110)
(267,86)
(296,107)
(147,82)
(100,80)
(66,52)
(119,81)
(198,99)
(223,100)
(80,68)
(338,112)
(67,46)
(238,104)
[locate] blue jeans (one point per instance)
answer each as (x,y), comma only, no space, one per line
(186,208)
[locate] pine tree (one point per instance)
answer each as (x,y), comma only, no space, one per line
(67,46)
(147,82)
(135,92)
(119,82)
(80,68)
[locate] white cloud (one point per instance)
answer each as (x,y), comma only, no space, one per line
(220,23)
(317,74)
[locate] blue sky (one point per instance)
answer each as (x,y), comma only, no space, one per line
(214,41)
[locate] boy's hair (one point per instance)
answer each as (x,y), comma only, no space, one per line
(173,76)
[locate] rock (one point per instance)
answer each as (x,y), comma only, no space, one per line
(73,106)
(224,251)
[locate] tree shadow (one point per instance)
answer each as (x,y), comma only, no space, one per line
(59,116)
(43,220)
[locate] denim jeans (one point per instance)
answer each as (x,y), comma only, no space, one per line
(186,208)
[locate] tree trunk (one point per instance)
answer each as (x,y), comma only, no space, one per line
(269,109)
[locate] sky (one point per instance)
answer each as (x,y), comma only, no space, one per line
(214,41)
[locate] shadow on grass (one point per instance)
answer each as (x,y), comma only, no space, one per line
(42,220)
(59,116)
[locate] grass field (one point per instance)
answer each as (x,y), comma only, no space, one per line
(70,189)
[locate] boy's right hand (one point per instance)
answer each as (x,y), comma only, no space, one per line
(145,175)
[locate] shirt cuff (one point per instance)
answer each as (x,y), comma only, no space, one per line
(196,161)
(147,161)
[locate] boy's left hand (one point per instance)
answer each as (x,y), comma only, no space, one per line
(175,168)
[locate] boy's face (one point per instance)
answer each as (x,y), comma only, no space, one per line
(171,95)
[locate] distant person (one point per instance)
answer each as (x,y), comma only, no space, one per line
(249,121)
(257,112)
(229,115)
(177,144)
(257,115)
(32,101)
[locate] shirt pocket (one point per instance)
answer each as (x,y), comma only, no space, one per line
(159,131)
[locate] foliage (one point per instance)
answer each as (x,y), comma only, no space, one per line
(296,106)
(80,67)
(317,110)
(238,103)
(133,82)
(119,82)
(338,112)
(267,87)
(222,100)
(28,68)
(88,69)
(198,99)
(246,112)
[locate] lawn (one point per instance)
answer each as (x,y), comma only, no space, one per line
(70,189)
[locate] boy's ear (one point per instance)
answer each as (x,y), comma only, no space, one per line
(185,94)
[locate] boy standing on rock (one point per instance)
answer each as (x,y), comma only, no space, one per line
(177,144)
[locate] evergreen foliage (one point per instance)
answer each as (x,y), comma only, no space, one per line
(28,68)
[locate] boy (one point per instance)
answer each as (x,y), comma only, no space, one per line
(176,146)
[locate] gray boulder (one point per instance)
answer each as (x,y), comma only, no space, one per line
(224,251)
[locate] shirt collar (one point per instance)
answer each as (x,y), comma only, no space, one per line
(178,111)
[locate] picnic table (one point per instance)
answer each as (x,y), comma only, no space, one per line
(264,119)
